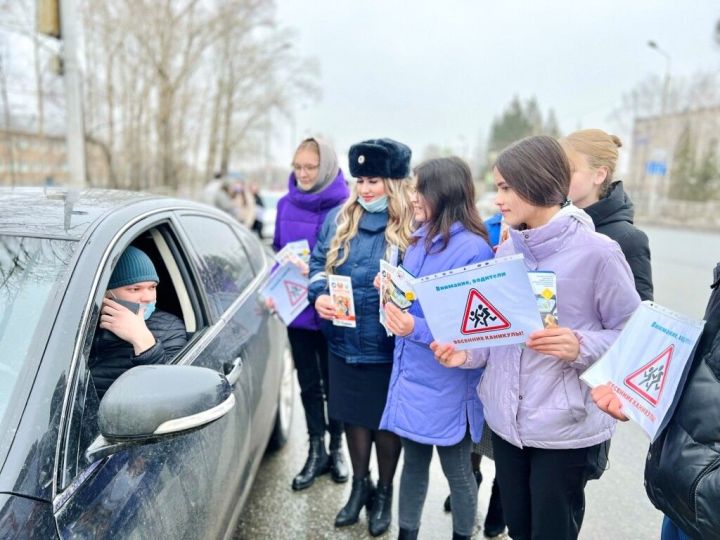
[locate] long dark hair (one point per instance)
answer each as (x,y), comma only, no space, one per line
(446,186)
(537,169)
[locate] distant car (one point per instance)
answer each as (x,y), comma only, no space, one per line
(171,450)
(270,201)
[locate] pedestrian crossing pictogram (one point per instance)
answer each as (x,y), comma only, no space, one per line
(296,292)
(481,315)
(649,380)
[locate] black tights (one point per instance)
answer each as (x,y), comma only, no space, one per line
(387,449)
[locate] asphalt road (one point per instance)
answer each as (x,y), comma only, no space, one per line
(617,507)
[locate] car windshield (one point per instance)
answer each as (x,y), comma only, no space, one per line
(29,269)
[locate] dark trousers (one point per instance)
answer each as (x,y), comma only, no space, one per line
(455,462)
(310,353)
(542,491)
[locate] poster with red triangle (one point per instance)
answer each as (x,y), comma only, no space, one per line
(649,380)
(296,292)
(481,316)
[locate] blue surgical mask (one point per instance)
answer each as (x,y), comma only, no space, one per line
(377,205)
(149,309)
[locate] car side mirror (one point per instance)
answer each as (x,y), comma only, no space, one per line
(149,403)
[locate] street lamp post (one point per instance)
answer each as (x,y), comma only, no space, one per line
(661,179)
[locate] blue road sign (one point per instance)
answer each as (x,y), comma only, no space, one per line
(657,168)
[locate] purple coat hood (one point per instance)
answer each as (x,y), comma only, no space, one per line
(299,217)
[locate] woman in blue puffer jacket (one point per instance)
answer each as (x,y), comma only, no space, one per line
(374,223)
(428,405)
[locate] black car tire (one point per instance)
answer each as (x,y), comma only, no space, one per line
(286,399)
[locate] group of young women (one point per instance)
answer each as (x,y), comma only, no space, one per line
(408,392)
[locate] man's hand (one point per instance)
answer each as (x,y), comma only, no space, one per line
(447,355)
(607,401)
(126,325)
(398,321)
(325,307)
(559,342)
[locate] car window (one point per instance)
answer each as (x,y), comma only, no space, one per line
(30,268)
(227,270)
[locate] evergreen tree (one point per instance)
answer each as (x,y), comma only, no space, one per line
(682,180)
(551,125)
(708,173)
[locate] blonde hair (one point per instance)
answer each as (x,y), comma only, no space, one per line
(308,144)
(600,148)
(397,232)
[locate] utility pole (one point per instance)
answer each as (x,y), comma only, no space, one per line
(661,183)
(72,76)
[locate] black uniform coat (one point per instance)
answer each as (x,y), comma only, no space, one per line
(682,472)
(613,216)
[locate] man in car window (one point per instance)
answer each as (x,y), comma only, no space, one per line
(132,331)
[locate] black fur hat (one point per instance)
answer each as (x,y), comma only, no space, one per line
(382,158)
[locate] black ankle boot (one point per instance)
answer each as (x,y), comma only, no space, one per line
(457,536)
(338,467)
(316,464)
(406,534)
(478,480)
(381,512)
(361,495)
(494,520)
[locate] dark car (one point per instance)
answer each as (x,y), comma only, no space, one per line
(171,450)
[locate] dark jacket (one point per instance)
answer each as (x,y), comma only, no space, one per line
(368,343)
(682,472)
(613,216)
(111,356)
(299,217)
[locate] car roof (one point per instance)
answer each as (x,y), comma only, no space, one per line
(69,214)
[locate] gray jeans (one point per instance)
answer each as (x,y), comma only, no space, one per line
(455,462)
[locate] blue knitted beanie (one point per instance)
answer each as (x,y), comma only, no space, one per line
(134,266)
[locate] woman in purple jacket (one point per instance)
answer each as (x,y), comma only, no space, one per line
(427,405)
(316,186)
(547,433)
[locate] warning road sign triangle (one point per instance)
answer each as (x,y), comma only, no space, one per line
(649,380)
(481,315)
(296,292)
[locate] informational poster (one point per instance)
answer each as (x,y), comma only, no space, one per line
(544,286)
(487,304)
(287,287)
(395,288)
(342,297)
(292,251)
(647,362)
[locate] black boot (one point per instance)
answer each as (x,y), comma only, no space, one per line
(406,534)
(338,467)
(381,512)
(494,520)
(457,536)
(317,463)
(361,495)
(478,480)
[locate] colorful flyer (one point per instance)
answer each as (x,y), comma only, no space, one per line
(487,304)
(294,250)
(342,297)
(395,288)
(288,289)
(544,286)
(647,363)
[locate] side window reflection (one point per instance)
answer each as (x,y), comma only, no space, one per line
(227,268)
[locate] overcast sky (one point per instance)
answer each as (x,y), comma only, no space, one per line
(429,72)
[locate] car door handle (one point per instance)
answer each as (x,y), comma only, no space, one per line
(233,370)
